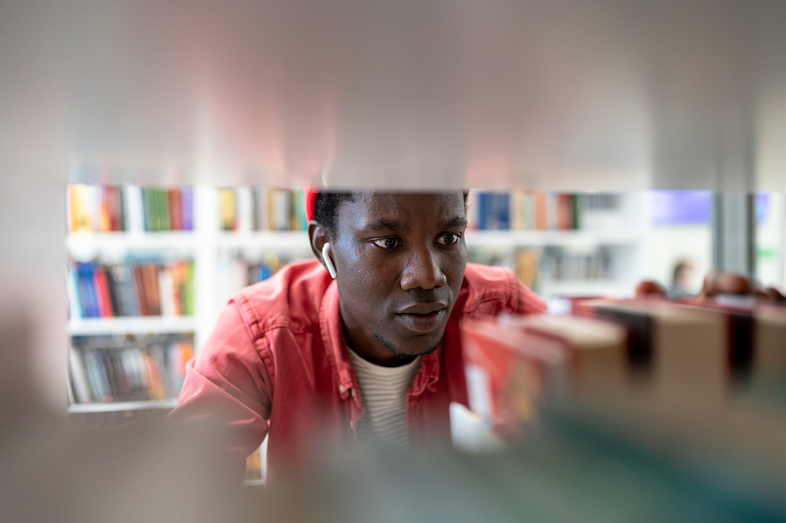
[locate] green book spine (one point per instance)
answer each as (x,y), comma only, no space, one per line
(166,221)
(147,203)
(576,214)
(153,210)
(159,216)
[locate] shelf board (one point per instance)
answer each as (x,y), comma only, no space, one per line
(91,242)
(131,325)
(543,238)
(120,406)
(284,240)
(586,288)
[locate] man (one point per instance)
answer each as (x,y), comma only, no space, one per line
(360,345)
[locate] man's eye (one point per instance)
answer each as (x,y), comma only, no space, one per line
(448,239)
(386,243)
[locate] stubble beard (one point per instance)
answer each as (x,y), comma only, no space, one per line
(396,351)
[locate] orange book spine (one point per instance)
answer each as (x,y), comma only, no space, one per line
(541,212)
(175,211)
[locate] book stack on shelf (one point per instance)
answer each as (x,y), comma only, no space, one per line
(244,209)
(149,288)
(520,210)
(132,294)
(129,208)
(651,356)
(133,371)
(596,264)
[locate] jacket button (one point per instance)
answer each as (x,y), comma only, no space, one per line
(341,389)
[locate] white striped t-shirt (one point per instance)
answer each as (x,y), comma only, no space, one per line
(384,394)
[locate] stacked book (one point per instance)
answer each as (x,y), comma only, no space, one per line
(244,209)
(107,208)
(695,356)
(107,369)
(144,288)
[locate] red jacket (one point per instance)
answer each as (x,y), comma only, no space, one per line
(277,363)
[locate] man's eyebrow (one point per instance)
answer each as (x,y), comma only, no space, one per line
(456,221)
(385,224)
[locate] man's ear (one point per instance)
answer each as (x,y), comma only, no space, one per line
(317,236)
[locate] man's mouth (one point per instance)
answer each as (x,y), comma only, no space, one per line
(424,318)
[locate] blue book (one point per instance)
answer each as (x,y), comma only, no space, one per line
(500,211)
(87,289)
(483,203)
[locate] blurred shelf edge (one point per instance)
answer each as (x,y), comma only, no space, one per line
(571,288)
(264,239)
(131,325)
(509,238)
(121,406)
(81,242)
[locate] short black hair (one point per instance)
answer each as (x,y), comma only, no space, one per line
(326,208)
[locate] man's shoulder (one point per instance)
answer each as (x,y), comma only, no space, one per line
(291,298)
(493,290)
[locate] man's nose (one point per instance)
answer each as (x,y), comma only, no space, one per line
(423,270)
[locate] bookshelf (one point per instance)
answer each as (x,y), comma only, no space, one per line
(230,244)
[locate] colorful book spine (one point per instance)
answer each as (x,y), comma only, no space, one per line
(132,289)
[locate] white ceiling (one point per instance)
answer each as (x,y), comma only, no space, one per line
(557,94)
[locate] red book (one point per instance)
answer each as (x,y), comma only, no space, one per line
(102,292)
(175,211)
(516,364)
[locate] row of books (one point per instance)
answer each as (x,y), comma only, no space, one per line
(532,211)
(244,209)
(114,208)
(695,354)
(107,369)
(149,288)
(558,264)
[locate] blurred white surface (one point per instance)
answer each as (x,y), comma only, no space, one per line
(567,95)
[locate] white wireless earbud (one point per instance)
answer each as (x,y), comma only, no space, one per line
(328,260)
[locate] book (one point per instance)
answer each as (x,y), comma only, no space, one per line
(245,211)
(134,207)
(79,383)
(278,210)
(677,352)
(187,208)
(516,365)
(175,211)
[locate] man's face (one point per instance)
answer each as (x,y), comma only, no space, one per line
(400,259)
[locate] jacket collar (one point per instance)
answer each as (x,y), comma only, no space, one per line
(332,331)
